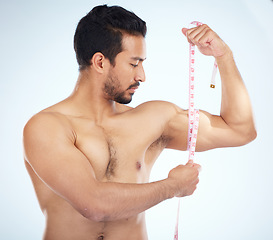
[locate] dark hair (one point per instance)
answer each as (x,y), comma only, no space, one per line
(101,31)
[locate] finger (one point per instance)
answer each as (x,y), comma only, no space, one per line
(206,39)
(197,166)
(190,162)
(189,33)
(196,33)
(196,181)
(201,38)
(184,31)
(195,30)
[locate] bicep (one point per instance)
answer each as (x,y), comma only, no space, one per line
(213,132)
(58,163)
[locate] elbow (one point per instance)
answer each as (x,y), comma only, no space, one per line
(250,135)
(96,207)
(95,213)
(253,135)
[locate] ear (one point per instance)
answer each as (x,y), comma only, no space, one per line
(99,62)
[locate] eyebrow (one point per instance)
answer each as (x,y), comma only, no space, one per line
(138,59)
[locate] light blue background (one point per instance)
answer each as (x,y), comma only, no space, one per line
(38,68)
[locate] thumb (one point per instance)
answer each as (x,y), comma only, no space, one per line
(184,31)
(190,163)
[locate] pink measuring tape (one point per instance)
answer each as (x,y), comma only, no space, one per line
(193,114)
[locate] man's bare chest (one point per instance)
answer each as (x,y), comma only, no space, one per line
(119,151)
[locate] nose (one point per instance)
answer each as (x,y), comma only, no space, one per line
(140,74)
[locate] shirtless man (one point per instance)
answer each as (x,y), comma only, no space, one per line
(90,156)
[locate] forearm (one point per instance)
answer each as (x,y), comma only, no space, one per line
(235,107)
(121,200)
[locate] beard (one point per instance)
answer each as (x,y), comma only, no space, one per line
(112,88)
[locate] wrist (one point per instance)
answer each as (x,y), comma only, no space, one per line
(224,57)
(171,189)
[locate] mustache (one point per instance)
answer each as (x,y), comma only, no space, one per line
(134,85)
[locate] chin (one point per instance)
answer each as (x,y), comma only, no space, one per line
(123,100)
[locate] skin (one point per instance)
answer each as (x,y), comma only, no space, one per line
(90,157)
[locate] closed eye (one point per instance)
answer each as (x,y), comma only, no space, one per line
(135,65)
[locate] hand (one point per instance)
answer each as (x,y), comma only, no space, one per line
(207,41)
(184,179)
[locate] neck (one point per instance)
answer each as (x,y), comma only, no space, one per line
(89,98)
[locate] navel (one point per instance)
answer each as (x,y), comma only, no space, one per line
(101,237)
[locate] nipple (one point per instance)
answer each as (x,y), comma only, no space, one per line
(138,165)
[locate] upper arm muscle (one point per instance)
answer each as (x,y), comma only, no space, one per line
(213,132)
(50,151)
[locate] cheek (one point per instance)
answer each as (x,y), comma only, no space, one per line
(125,74)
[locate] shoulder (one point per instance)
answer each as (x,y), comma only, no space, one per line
(47,126)
(162,108)
(45,119)
(158,103)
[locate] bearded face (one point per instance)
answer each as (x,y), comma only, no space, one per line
(114,90)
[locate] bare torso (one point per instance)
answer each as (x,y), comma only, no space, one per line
(121,144)
(122,149)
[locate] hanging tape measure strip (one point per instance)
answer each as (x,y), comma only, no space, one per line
(193,113)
